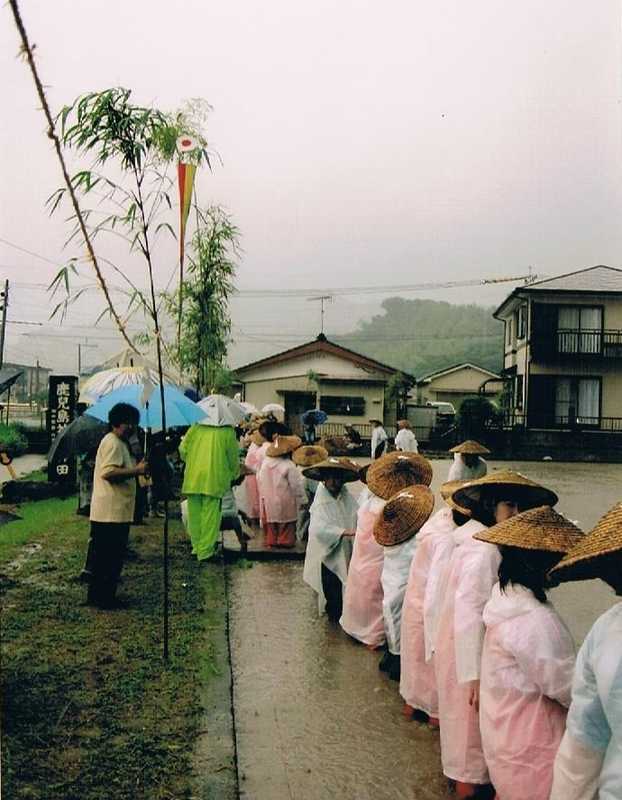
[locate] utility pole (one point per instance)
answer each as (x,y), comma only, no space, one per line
(4,299)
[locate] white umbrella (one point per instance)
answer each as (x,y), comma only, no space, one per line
(221,410)
(102,383)
(273,408)
(250,408)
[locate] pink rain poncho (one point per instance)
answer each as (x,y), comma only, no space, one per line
(527,667)
(252,461)
(471,574)
(418,680)
(362,603)
(281,489)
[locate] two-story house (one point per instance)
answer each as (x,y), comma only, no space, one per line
(563,351)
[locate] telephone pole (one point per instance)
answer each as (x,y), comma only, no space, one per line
(4,300)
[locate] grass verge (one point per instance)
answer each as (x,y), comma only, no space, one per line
(90,709)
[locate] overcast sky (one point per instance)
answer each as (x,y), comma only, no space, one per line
(361,143)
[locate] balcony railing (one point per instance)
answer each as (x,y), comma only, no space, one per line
(602,343)
(549,421)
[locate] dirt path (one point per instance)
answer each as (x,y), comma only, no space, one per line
(315,718)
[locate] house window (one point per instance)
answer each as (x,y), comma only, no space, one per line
(343,406)
(579,329)
(508,331)
(577,401)
(520,321)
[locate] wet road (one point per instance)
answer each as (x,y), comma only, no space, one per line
(315,718)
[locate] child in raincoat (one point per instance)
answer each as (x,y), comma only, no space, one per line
(470,575)
(307,456)
(396,530)
(331,529)
(528,656)
(252,462)
(589,760)
(362,617)
(281,492)
(468,464)
(423,596)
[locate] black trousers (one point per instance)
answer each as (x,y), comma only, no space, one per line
(331,586)
(106,554)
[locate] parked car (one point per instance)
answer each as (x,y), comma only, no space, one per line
(445,414)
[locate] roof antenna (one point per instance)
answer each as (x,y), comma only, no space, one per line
(322,298)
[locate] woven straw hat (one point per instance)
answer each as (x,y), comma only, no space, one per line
(516,485)
(447,489)
(539,528)
(319,472)
(309,454)
(283,445)
(396,471)
(470,448)
(584,560)
(403,515)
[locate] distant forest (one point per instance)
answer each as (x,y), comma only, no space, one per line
(422,336)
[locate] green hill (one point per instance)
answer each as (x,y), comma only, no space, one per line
(422,336)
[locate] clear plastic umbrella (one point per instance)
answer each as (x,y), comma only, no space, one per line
(273,408)
(221,410)
(109,380)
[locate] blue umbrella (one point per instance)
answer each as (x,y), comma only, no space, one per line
(314,417)
(180,411)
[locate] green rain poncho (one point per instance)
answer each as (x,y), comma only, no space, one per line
(212,463)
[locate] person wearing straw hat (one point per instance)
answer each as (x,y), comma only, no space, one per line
(528,656)
(470,575)
(379,439)
(211,455)
(395,530)
(589,759)
(468,463)
(405,440)
(281,492)
(421,602)
(252,462)
(362,617)
(307,456)
(331,528)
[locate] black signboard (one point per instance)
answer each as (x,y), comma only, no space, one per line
(62,401)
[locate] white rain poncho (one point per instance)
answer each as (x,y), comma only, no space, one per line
(329,517)
(418,681)
(362,602)
(378,436)
(527,666)
(302,523)
(589,761)
(395,570)
(471,574)
(460,472)
(406,441)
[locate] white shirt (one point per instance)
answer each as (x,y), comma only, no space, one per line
(378,435)
(406,441)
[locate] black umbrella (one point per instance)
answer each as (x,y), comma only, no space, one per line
(314,417)
(83,434)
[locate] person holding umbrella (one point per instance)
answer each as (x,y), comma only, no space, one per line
(112,506)
(309,420)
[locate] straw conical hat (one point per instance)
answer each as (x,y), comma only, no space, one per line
(470,448)
(396,471)
(583,561)
(447,489)
(309,454)
(283,445)
(516,484)
(539,528)
(348,469)
(403,515)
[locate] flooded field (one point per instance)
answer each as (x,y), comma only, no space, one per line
(315,718)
